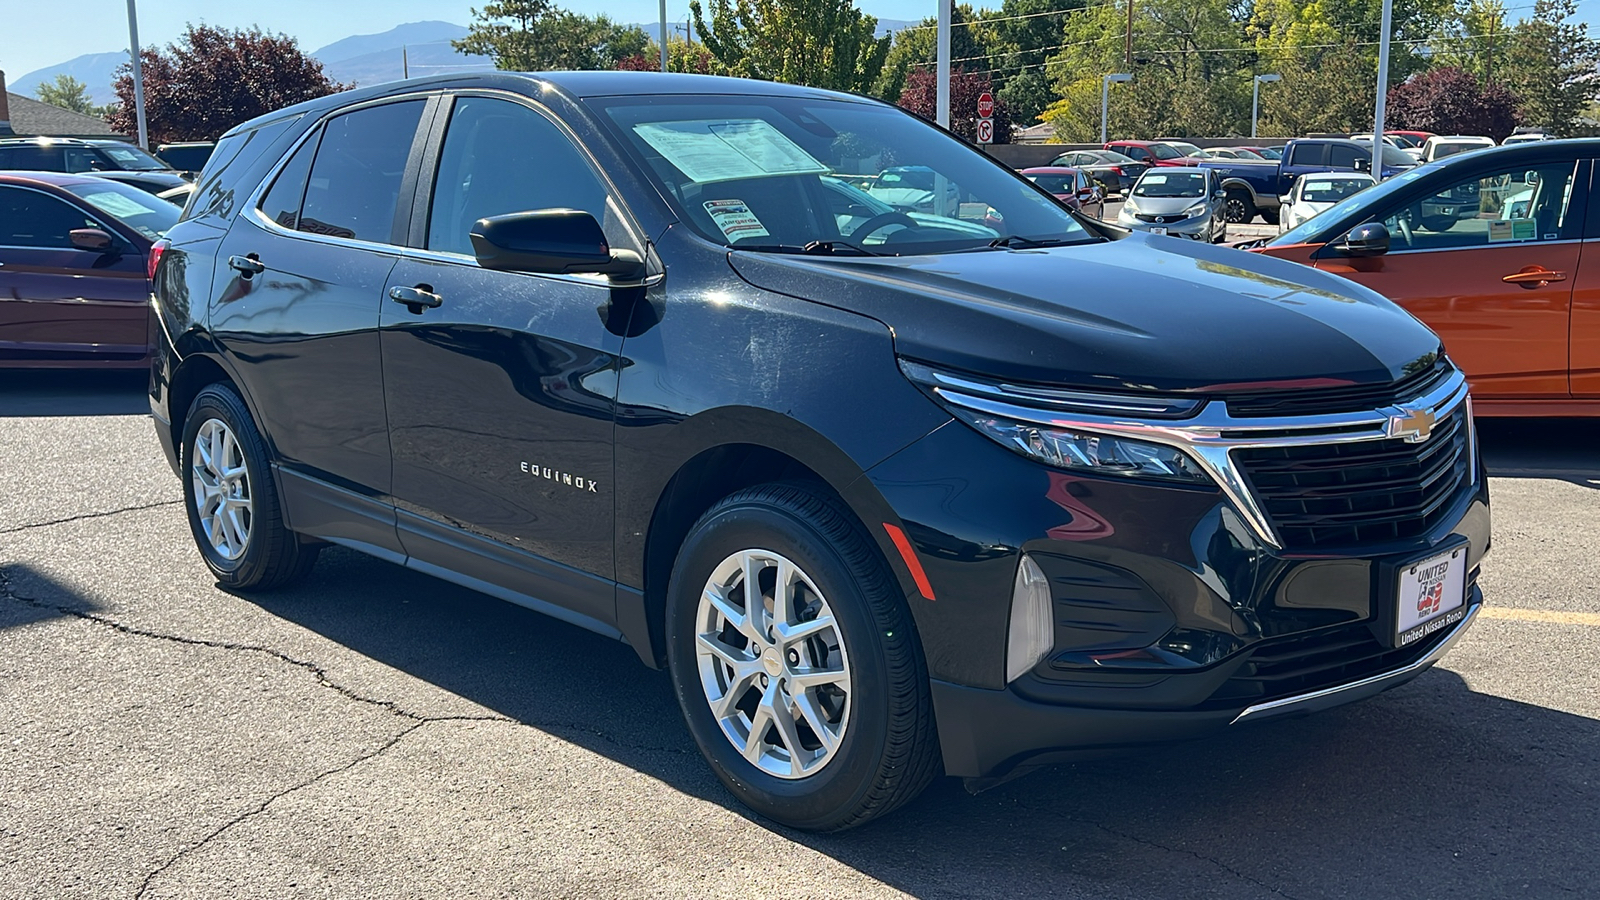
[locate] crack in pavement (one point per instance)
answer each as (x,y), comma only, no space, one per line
(93,515)
(8,592)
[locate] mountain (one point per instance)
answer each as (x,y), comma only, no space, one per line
(96,70)
(396,37)
(437,58)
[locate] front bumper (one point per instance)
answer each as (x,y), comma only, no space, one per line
(1196,229)
(988,733)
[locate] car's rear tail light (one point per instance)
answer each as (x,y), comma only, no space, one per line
(1117,170)
(154,260)
(1032,632)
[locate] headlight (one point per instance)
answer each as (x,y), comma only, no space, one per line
(1194,210)
(1088,452)
(1129,206)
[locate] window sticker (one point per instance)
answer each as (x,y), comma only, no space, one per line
(1155,179)
(736,220)
(710,150)
(117,205)
(1512,230)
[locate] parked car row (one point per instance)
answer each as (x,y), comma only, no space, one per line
(172,166)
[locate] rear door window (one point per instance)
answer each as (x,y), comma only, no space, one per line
(354,186)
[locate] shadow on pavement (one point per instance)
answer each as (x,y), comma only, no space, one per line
(1430,790)
(68,392)
(1567,449)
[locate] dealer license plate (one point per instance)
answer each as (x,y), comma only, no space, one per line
(1432,594)
(1157,229)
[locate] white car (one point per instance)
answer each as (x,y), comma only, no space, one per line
(1525,137)
(1317,192)
(1439,146)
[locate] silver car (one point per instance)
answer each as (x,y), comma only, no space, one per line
(1182,202)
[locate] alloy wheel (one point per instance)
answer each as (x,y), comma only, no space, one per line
(221,489)
(772,664)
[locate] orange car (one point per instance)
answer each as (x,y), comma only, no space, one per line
(1499,252)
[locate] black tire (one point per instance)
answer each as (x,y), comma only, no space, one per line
(1237,207)
(1269,216)
(1438,224)
(889,749)
(273,556)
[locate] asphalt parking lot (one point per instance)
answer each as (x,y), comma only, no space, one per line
(378,733)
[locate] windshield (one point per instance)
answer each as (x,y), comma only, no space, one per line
(1112,157)
(1055,184)
(1402,140)
(1441,150)
(1248,154)
(1270,153)
(1165,151)
(1184,149)
(131,158)
(1171,184)
(1313,231)
(145,213)
(1331,190)
(787,174)
(1394,156)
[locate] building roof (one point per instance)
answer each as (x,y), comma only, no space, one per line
(30,117)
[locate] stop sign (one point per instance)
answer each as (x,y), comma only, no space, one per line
(985,105)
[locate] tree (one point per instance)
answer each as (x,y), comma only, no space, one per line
(1475,40)
(921,97)
(70,93)
(1550,66)
(1450,101)
(535,36)
(917,47)
(682,56)
(212,79)
(821,43)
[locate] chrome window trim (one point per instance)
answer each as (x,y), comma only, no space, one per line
(1533,243)
(1211,435)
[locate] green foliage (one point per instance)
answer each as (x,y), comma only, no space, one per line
(535,36)
(917,47)
(682,56)
(821,43)
(1550,67)
(70,93)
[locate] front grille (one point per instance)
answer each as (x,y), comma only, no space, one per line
(1324,401)
(1310,662)
(1323,496)
(1158,220)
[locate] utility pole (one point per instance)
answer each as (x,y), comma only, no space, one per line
(1383,90)
(138,75)
(663,35)
(1488,69)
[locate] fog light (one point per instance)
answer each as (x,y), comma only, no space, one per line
(1032,631)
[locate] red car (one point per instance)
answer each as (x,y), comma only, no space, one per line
(1155,153)
(75,254)
(1073,187)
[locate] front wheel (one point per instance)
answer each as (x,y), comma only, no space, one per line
(1237,207)
(796,662)
(232,500)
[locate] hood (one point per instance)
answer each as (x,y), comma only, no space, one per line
(152,180)
(1163,206)
(1133,314)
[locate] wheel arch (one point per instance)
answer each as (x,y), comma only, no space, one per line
(712,469)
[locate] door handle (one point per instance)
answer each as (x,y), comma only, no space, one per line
(416,298)
(1534,277)
(246,265)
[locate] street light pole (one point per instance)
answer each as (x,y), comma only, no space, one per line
(941,103)
(1255,99)
(1105,100)
(1383,90)
(663,35)
(138,75)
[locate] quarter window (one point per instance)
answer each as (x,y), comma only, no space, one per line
(1505,207)
(282,203)
(32,219)
(354,184)
(501,157)
(1309,155)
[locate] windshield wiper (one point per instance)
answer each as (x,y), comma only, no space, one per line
(815,248)
(1018,242)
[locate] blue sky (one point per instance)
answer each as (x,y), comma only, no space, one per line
(36,34)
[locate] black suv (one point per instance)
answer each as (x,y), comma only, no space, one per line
(116,160)
(894,485)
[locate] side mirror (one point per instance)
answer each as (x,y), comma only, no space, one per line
(551,242)
(1219,193)
(91,239)
(1371,239)
(1363,165)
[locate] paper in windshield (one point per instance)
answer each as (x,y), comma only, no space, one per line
(117,205)
(708,150)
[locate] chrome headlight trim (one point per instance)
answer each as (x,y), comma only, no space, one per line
(1210,435)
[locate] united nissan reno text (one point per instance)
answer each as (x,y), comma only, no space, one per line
(892,492)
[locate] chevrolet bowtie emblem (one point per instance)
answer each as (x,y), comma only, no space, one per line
(1415,425)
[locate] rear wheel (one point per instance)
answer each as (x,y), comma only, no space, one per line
(796,663)
(231,498)
(1237,207)
(1269,216)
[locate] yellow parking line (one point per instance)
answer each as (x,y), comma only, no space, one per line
(1541,615)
